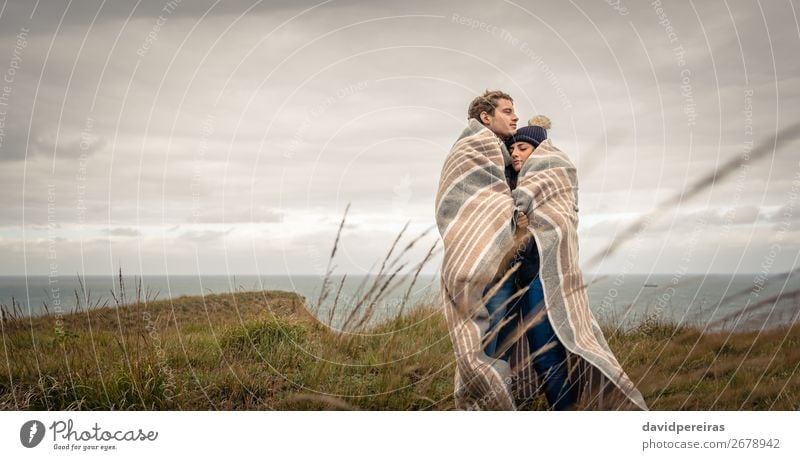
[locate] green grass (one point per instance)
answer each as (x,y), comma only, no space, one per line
(262,350)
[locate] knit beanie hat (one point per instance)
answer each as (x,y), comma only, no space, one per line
(535,133)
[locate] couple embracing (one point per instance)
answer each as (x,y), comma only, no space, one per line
(514,296)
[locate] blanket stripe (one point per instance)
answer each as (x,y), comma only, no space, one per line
(474,214)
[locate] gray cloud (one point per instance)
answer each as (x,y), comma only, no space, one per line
(122,231)
(204,236)
(265,122)
(258,214)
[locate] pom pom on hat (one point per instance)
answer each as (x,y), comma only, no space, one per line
(540,120)
(535,133)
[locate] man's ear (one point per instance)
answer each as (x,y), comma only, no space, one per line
(484,118)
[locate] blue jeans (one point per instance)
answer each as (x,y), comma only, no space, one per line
(550,366)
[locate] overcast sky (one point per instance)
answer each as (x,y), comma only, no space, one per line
(228,137)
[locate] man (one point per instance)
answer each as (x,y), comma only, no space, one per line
(495,110)
(476,168)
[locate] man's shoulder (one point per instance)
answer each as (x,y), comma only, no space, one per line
(476,136)
(474,128)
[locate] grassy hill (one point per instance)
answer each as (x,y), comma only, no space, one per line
(263,350)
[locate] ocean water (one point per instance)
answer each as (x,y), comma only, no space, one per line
(622,300)
(37,295)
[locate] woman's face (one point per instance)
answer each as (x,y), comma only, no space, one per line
(520,151)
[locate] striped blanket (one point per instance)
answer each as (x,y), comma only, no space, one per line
(474,214)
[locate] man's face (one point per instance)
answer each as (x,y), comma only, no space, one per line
(504,121)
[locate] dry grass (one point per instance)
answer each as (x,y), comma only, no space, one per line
(261,350)
(244,350)
(682,368)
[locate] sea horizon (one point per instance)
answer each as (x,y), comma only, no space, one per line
(624,299)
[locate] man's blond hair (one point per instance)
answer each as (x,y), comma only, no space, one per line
(485,103)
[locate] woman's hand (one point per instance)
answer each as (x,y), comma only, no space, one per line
(522,221)
(520,238)
(522,234)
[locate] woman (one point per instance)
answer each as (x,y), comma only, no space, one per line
(550,364)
